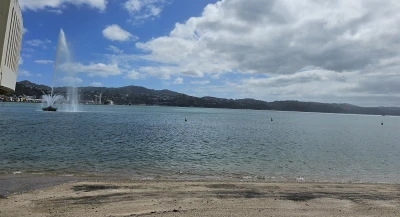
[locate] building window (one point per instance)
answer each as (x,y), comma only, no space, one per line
(18,48)
(14,52)
(8,40)
(12,41)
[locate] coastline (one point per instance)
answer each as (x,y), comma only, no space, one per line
(107,196)
(227,108)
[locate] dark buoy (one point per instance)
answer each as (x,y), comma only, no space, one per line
(272,119)
(185,119)
(382,123)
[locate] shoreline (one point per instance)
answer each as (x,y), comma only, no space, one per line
(249,109)
(102,196)
(19,183)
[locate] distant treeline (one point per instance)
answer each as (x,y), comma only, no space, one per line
(136,95)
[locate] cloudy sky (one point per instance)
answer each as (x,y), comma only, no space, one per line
(309,50)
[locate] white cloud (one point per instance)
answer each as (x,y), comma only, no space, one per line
(116,33)
(24,31)
(39,43)
(270,44)
(30,50)
(26,55)
(56,11)
(44,61)
(70,81)
(134,75)
(21,61)
(314,82)
(144,9)
(133,5)
(161,73)
(200,82)
(316,85)
(96,84)
(178,81)
(61,4)
(115,49)
(24,73)
(92,70)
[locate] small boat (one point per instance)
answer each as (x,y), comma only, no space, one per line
(49,109)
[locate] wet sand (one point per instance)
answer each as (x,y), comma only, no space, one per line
(75,197)
(20,183)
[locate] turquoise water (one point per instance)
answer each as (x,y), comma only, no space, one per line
(139,141)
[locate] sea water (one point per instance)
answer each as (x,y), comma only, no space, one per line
(157,142)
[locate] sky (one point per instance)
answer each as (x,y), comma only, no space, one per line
(336,51)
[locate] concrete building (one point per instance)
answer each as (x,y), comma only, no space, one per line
(11,30)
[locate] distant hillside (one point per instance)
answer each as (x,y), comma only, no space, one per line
(136,95)
(30,89)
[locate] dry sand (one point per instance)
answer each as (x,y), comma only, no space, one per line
(169,198)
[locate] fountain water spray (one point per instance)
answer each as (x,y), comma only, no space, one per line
(63,58)
(49,100)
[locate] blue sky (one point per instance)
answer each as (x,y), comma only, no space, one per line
(83,26)
(336,51)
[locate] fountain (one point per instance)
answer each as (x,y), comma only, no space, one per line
(50,100)
(63,57)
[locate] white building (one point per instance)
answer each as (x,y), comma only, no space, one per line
(11,30)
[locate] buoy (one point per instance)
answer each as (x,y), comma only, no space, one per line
(272,120)
(185,119)
(382,123)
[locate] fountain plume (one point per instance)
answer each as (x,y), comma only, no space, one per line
(49,100)
(63,57)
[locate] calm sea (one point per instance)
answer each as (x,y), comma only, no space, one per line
(153,142)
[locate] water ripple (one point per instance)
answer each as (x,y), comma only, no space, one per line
(156,141)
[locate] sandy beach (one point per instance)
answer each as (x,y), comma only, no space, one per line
(71,196)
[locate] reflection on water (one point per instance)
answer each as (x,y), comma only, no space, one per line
(156,141)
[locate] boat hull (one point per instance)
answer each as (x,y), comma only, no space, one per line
(49,109)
